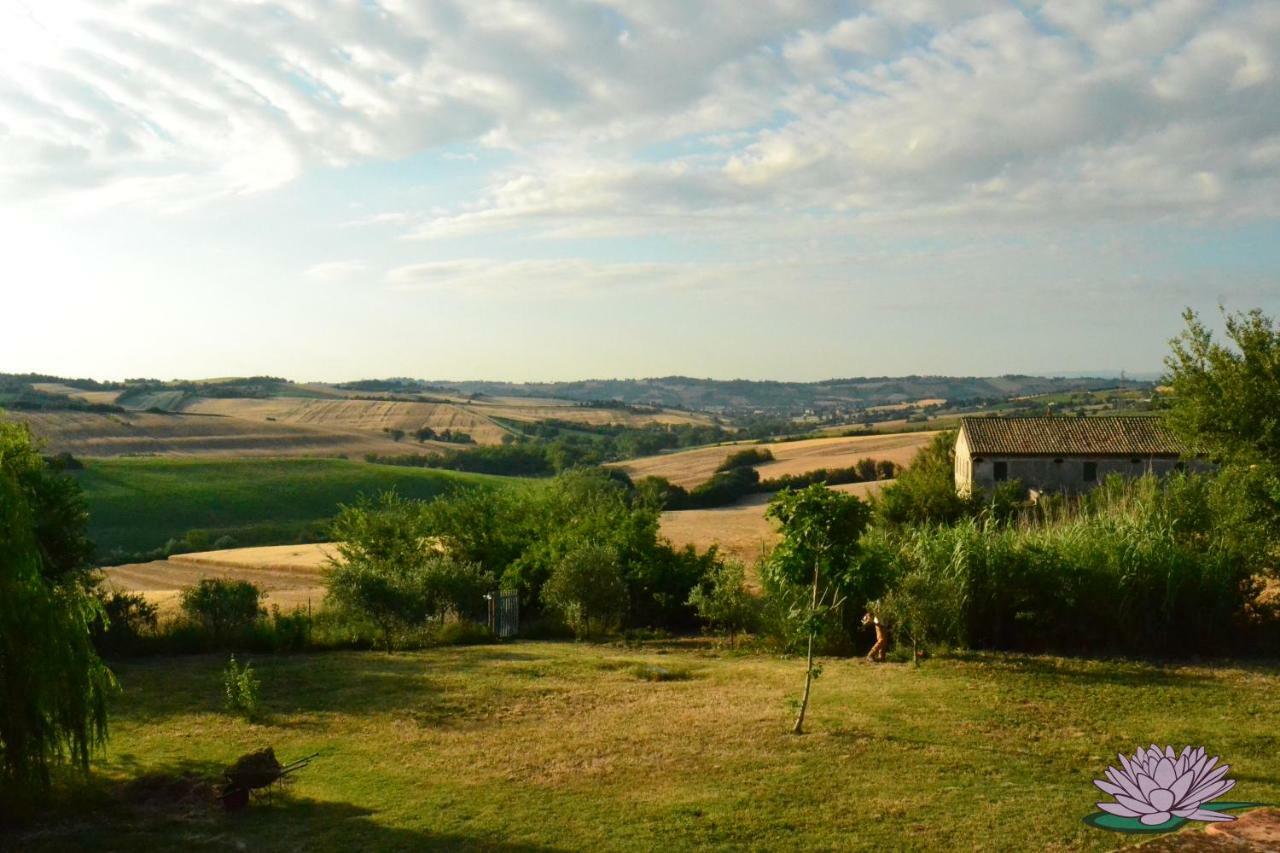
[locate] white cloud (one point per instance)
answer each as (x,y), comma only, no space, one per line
(658,117)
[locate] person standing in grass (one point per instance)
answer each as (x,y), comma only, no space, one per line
(881,648)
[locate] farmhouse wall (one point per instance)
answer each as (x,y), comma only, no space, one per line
(1064,473)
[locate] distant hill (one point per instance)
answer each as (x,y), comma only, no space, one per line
(791,397)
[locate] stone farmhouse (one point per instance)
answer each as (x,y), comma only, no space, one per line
(1068,455)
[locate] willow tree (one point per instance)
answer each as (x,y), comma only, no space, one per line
(52,684)
(819,550)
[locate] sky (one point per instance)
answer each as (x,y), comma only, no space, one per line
(551,190)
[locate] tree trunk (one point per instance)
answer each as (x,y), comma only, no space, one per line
(808,671)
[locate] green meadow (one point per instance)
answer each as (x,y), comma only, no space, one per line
(569,746)
(137,505)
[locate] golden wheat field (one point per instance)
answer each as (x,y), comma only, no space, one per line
(292,575)
(740,530)
(690,467)
(173,423)
(360,416)
(95,434)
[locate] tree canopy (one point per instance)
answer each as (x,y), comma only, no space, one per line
(1226,399)
(52,684)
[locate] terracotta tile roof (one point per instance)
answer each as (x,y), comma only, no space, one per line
(1134,436)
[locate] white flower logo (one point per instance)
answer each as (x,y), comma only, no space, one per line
(1155,786)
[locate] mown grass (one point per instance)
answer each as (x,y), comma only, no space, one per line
(542,746)
(139,504)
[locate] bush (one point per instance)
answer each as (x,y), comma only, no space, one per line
(224,608)
(224,542)
(587,590)
(746,458)
(240,689)
(722,599)
(1124,580)
(128,618)
(925,493)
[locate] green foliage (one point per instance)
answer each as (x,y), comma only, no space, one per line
(224,608)
(1136,567)
(865,470)
(820,532)
(586,588)
(924,608)
(724,487)
(747,458)
(819,548)
(391,570)
(925,493)
(723,601)
(240,687)
(1226,399)
(584,506)
(127,620)
(52,684)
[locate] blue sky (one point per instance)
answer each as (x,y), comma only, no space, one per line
(559,190)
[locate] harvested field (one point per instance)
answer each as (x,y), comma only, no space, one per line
(535,410)
(356,416)
(690,467)
(292,575)
(328,424)
(740,530)
(147,434)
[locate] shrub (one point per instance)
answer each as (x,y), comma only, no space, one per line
(587,589)
(224,608)
(722,600)
(925,493)
(746,458)
(724,488)
(454,587)
(240,689)
(127,618)
(224,542)
(1121,579)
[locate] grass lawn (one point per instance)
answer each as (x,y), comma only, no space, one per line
(539,746)
(139,504)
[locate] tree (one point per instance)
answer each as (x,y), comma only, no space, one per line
(925,493)
(1226,401)
(393,570)
(723,601)
(53,686)
(382,546)
(587,589)
(820,533)
(224,607)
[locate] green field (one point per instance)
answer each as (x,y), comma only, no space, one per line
(139,504)
(563,746)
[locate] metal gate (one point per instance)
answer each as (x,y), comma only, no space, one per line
(504,613)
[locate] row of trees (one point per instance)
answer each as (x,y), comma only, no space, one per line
(583,547)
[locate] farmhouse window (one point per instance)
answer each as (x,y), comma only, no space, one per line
(1000,471)
(1091,472)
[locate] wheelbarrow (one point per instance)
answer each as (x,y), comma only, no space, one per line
(254,775)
